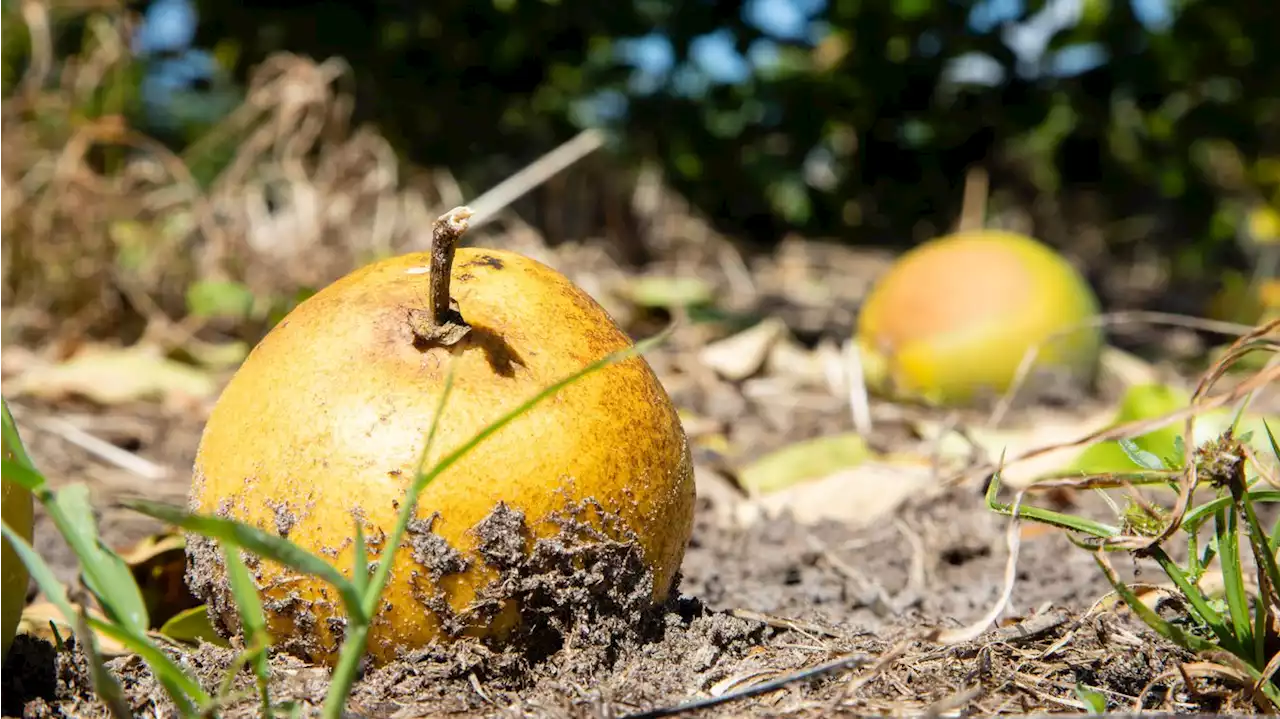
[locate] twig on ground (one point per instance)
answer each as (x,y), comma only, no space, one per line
(845,662)
(100,448)
(1033,627)
(777,622)
(883,662)
(1013,538)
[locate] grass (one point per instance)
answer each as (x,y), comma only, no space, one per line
(125,619)
(1236,628)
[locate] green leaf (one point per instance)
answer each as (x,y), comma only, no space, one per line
(1140,456)
(669,292)
(253,623)
(13,445)
(192,626)
(106,574)
(255,540)
(21,475)
(1094,700)
(220,299)
(804,461)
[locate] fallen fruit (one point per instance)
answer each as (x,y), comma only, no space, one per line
(17,508)
(323,424)
(952,319)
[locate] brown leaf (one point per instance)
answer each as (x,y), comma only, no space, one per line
(112,375)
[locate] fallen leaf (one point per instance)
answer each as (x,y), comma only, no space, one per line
(858,497)
(220,299)
(804,461)
(192,626)
(822,366)
(656,291)
(36,619)
(158,564)
(738,357)
(214,355)
(111,375)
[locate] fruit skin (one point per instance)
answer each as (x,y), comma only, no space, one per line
(18,509)
(329,412)
(952,319)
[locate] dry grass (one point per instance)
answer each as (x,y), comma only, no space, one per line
(104,226)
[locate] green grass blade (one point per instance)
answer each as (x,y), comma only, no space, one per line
(360,568)
(106,574)
(1173,633)
(1196,517)
(1199,604)
(23,475)
(253,622)
(1264,559)
(1048,516)
(13,441)
(249,537)
(353,648)
(57,594)
(1241,616)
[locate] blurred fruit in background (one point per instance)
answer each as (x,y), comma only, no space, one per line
(953,319)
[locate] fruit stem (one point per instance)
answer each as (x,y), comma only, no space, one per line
(442,323)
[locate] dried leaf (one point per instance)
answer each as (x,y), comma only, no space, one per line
(859,497)
(158,564)
(37,616)
(111,375)
(738,357)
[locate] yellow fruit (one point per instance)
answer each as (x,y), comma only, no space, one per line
(18,510)
(325,420)
(951,321)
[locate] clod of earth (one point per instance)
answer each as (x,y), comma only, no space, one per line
(324,423)
(952,320)
(18,509)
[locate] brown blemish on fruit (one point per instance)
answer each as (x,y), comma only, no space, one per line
(486,261)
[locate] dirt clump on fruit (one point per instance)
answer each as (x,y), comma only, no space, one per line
(586,587)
